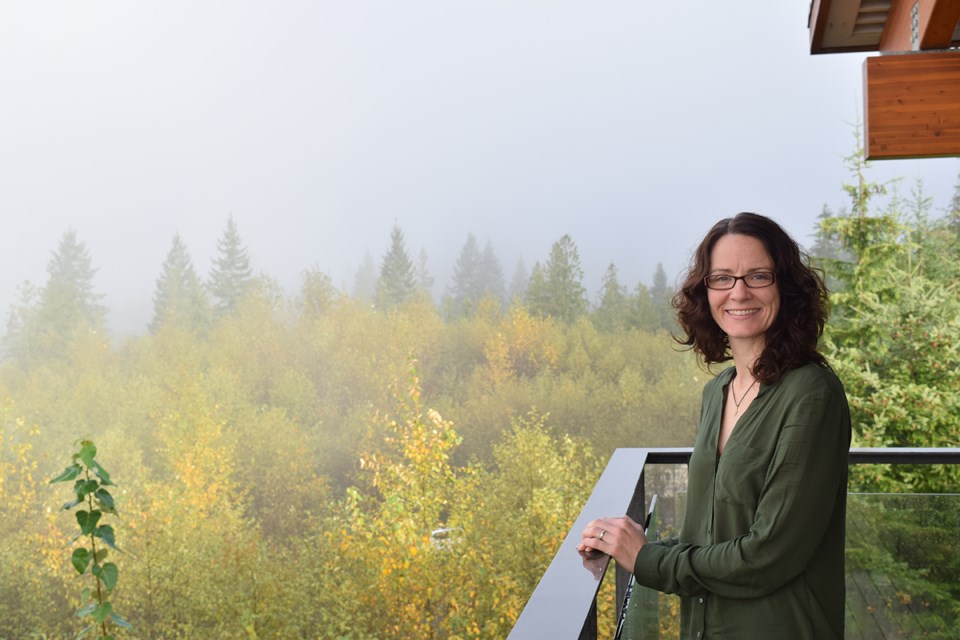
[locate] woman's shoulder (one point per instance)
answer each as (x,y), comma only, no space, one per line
(812,377)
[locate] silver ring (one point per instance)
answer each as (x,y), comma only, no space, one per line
(602,531)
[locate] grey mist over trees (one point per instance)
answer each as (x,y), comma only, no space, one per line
(68,301)
(335,125)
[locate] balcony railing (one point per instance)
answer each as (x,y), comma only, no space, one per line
(564,604)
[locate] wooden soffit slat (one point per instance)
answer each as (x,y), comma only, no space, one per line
(912,105)
(838,26)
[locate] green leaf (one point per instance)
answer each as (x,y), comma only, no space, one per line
(102,474)
(101,555)
(106,534)
(69,473)
(70,505)
(109,574)
(120,622)
(85,631)
(86,610)
(85,487)
(88,521)
(103,497)
(88,451)
(80,560)
(102,611)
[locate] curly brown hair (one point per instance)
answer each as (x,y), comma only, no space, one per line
(791,341)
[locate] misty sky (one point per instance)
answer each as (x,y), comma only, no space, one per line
(632,126)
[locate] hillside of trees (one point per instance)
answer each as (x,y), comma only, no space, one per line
(374,464)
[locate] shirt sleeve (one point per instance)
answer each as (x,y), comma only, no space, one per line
(794,510)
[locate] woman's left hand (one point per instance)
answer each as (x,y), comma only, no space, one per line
(621,538)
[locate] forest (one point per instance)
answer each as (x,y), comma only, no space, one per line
(376,464)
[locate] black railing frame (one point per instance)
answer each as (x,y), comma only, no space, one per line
(564,603)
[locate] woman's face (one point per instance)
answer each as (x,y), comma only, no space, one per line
(744,314)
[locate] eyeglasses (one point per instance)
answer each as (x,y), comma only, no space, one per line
(755,280)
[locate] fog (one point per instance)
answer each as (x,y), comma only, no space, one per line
(319,125)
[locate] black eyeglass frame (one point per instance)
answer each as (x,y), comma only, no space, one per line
(772,274)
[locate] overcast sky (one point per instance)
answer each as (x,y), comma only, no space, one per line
(632,126)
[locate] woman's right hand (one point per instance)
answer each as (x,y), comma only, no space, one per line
(621,538)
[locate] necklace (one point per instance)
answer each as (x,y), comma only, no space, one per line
(733,392)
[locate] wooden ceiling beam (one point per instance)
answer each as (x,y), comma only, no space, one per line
(940,25)
(936,22)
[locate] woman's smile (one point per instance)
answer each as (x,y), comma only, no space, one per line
(743,313)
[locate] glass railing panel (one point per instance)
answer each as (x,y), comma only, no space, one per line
(650,614)
(640,613)
(903,566)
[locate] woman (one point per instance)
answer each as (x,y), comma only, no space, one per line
(760,554)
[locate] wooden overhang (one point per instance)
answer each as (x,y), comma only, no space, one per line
(912,89)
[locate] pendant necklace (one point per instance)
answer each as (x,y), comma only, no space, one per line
(733,393)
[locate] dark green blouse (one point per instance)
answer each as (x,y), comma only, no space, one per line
(760,552)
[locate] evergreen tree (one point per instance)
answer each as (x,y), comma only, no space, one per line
(397,282)
(661,295)
(467,286)
(179,298)
(893,334)
(953,211)
(20,322)
(537,297)
(563,296)
(67,307)
(825,245)
(519,282)
(231,275)
(68,300)
(365,279)
(613,310)
(424,279)
(476,275)
(643,313)
(491,274)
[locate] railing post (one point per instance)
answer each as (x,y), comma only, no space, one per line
(563,605)
(636,511)
(589,631)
